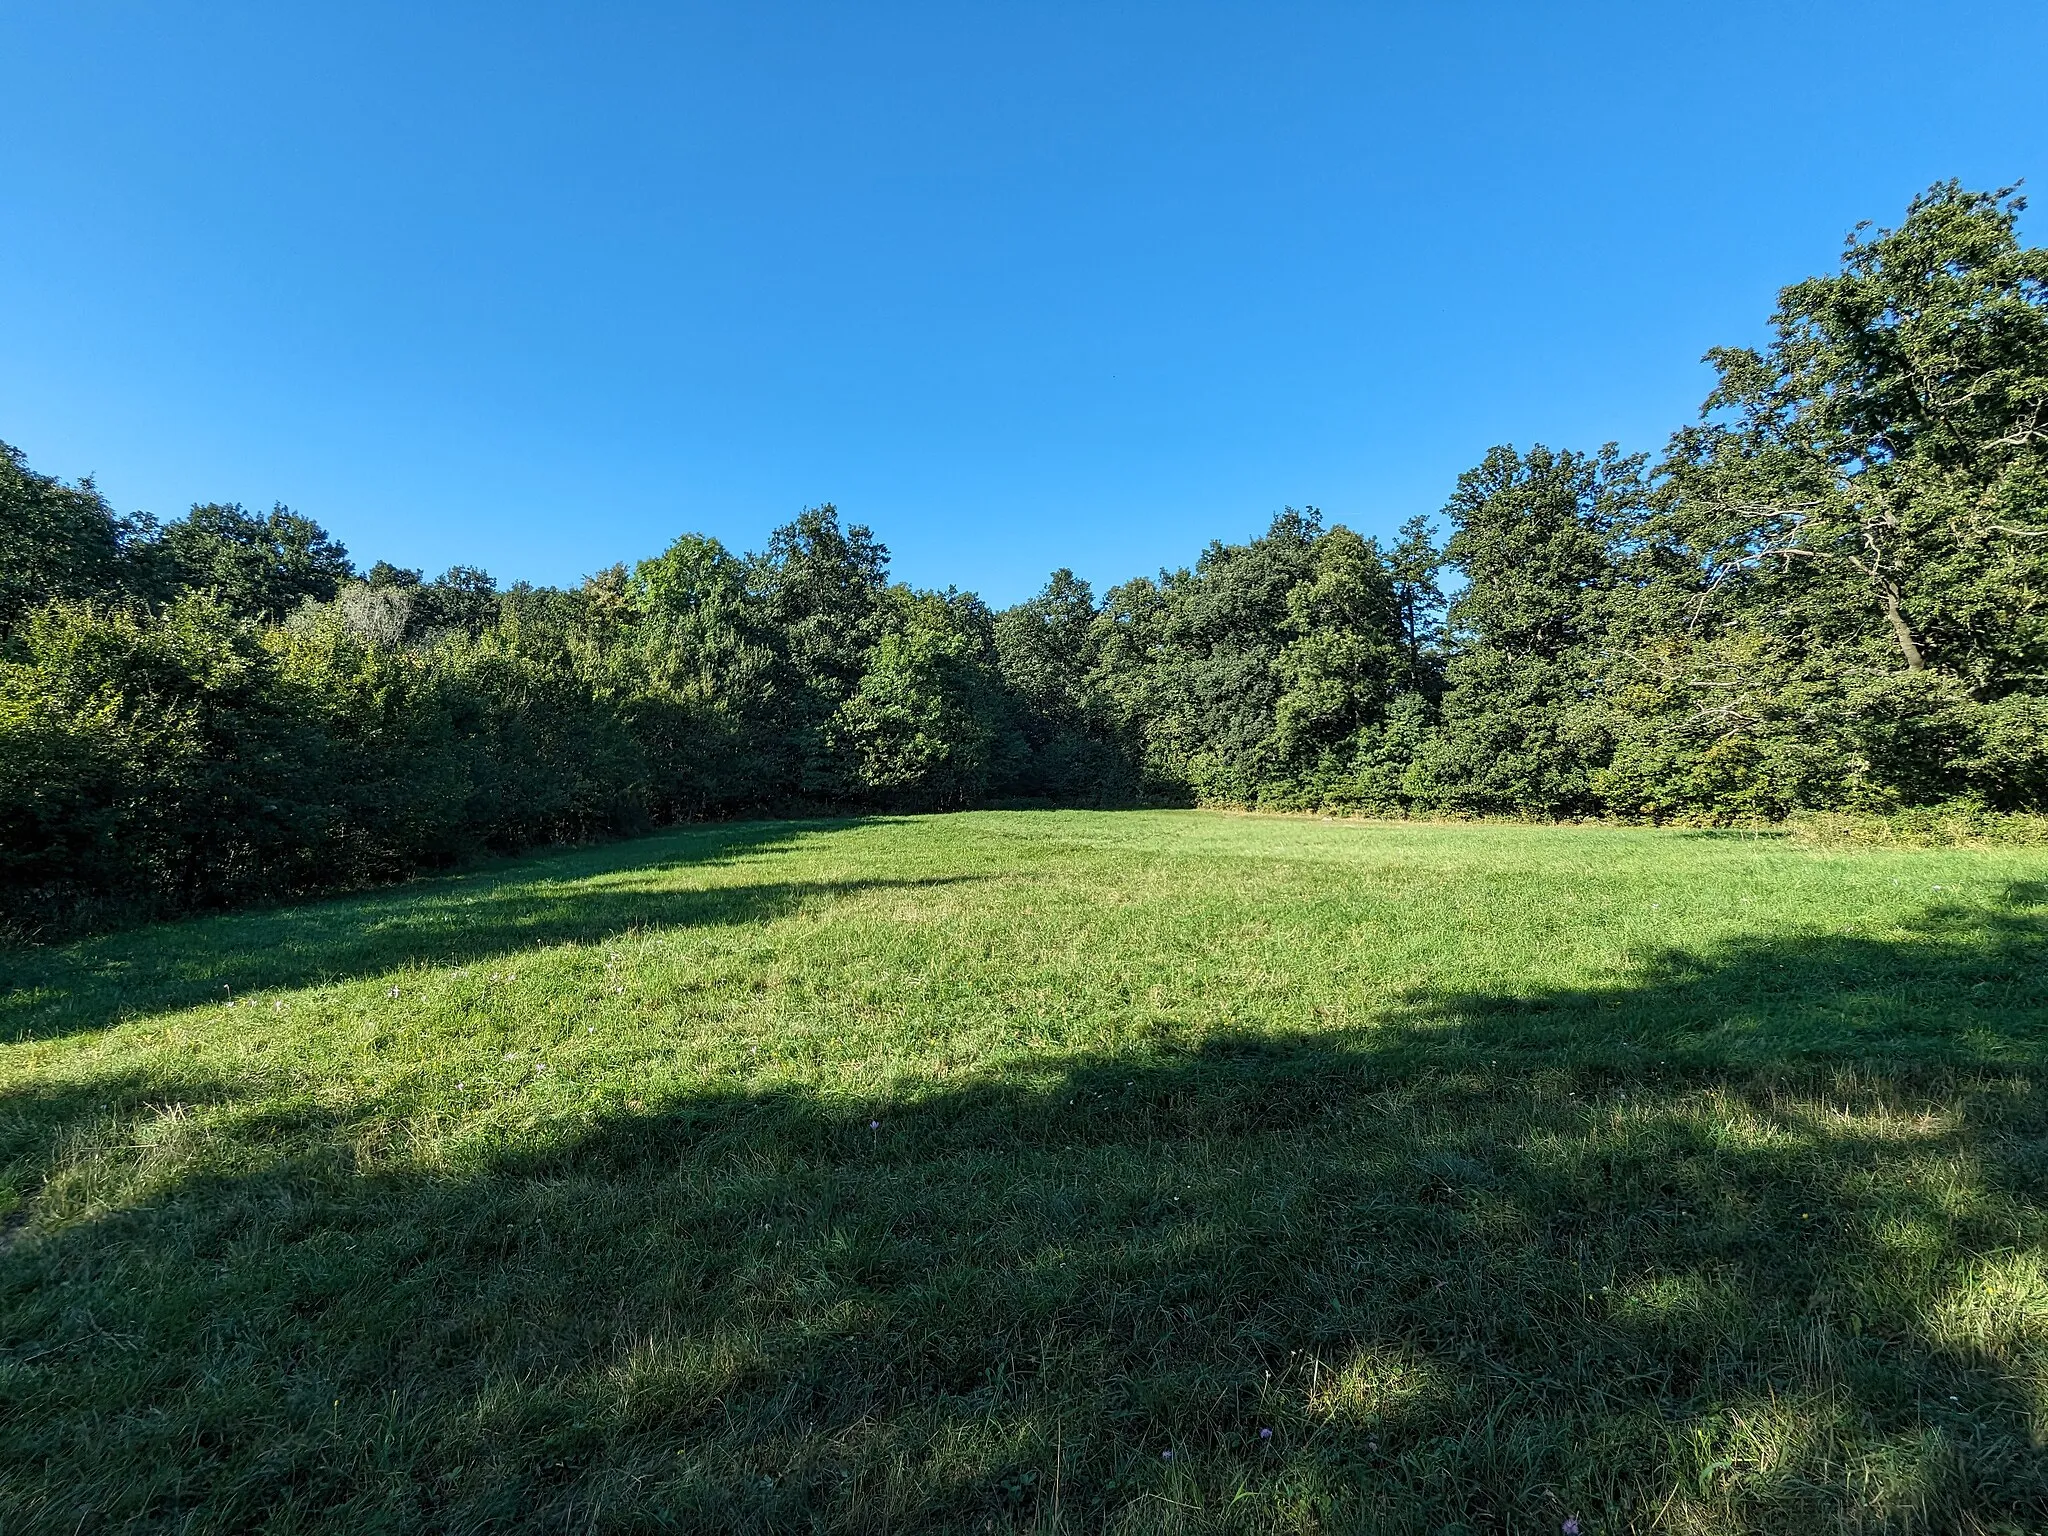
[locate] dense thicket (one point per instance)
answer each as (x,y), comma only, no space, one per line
(1830,592)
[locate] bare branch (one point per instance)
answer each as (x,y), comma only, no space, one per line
(2029,431)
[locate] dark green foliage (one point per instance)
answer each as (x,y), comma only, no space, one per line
(819,592)
(57,541)
(1524,724)
(1416,566)
(1216,652)
(1344,665)
(1266,675)
(704,685)
(259,567)
(156,762)
(1845,594)
(928,725)
(394,604)
(1050,650)
(1831,593)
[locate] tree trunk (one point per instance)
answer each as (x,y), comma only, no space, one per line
(1915,662)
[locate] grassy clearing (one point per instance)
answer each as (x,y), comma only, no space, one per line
(1024,1171)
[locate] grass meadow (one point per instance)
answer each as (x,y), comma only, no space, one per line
(1141,1172)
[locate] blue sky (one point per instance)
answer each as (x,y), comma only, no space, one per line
(1019,286)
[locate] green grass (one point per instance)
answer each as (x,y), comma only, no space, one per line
(947,1173)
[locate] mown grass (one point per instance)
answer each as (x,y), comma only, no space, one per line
(1024,1171)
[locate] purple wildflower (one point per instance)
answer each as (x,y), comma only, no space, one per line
(874,1125)
(1265,1434)
(1571,1526)
(1166,1455)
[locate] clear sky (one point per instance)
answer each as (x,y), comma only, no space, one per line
(537,288)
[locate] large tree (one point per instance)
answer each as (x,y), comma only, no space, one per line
(1050,649)
(1877,474)
(56,540)
(1851,604)
(1534,537)
(259,567)
(928,726)
(1341,667)
(820,591)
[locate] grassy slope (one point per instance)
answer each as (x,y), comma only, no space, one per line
(950,1173)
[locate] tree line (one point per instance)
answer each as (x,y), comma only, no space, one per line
(1830,591)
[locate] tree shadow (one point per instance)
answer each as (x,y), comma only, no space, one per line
(582,896)
(1753,1241)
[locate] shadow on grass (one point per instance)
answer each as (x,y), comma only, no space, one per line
(1754,1242)
(578,897)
